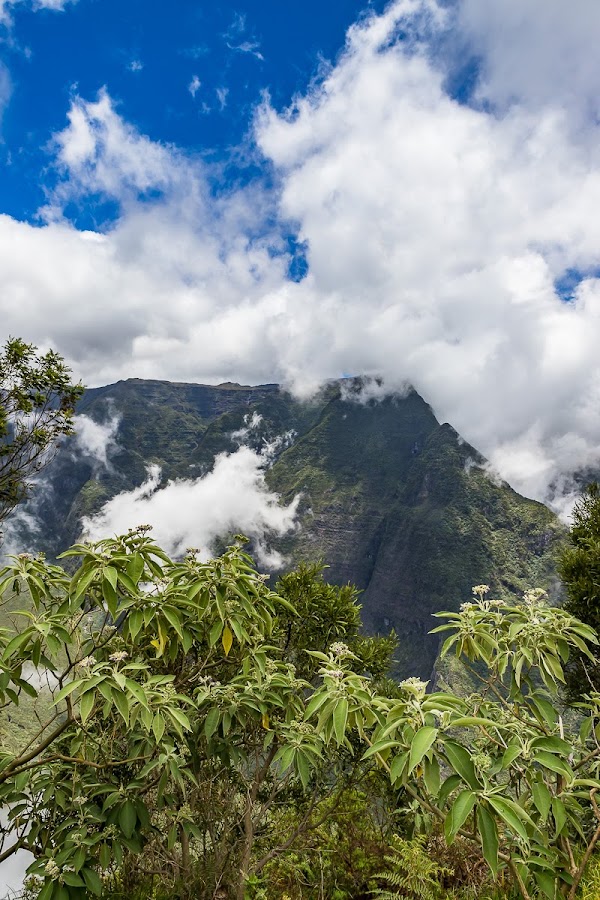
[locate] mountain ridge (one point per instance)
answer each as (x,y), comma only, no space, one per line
(389,498)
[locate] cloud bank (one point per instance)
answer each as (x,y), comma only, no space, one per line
(194,513)
(436,231)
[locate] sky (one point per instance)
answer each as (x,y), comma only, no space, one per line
(293,192)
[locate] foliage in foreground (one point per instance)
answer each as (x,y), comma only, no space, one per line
(579,569)
(37,403)
(216,729)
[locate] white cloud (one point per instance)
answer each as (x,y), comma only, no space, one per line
(6,6)
(136,65)
(434,234)
(537,53)
(222,94)
(193,513)
(194,86)
(96,440)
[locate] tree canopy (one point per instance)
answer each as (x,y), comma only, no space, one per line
(37,403)
(180,725)
(579,569)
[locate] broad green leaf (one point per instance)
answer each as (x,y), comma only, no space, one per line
(398,766)
(122,704)
(302,767)
(83,583)
(316,702)
(460,760)
(421,743)
(449,785)
(110,574)
(340,717)
(512,752)
(86,705)
(472,721)
(554,763)
(507,813)
(135,620)
(489,838)
(547,883)
(135,567)
(158,727)
(127,818)
(560,815)
(211,723)
(553,744)
(459,812)
(379,747)
(541,798)
(180,717)
(431,775)
(215,632)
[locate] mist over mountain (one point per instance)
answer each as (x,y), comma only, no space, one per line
(390,499)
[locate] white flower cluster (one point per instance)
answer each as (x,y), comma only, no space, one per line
(414,686)
(340,649)
(118,656)
(87,662)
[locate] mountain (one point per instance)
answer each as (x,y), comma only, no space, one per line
(390,499)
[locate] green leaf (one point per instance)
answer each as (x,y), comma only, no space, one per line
(507,813)
(122,704)
(449,785)
(211,723)
(431,775)
(86,705)
(72,879)
(541,798)
(460,760)
(489,838)
(215,632)
(459,812)
(135,620)
(472,721)
(316,702)
(340,717)
(554,763)
(379,747)
(110,574)
(135,567)
(553,744)
(420,744)
(560,815)
(127,818)
(180,717)
(547,882)
(84,582)
(92,879)
(398,766)
(158,727)
(302,767)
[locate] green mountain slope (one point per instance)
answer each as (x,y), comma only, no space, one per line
(401,506)
(390,499)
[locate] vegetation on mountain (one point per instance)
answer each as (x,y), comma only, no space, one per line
(37,403)
(394,502)
(579,569)
(221,729)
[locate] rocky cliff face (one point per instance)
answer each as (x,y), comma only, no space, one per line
(390,499)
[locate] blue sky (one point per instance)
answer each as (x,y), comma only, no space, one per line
(282,192)
(190,73)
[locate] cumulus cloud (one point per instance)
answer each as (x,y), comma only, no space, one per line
(6,6)
(535,53)
(435,232)
(96,440)
(233,496)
